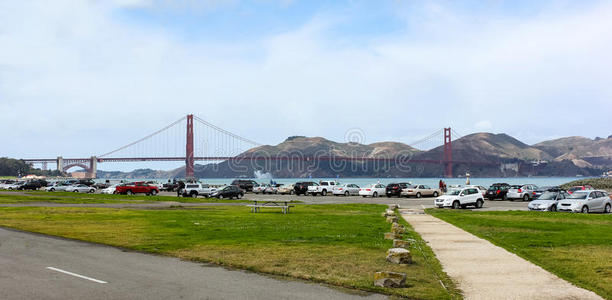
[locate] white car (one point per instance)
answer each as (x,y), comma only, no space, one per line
(586,201)
(548,201)
(80,188)
(271,189)
(460,198)
(59,187)
(372,190)
(346,189)
(322,188)
(260,189)
(109,190)
(15,185)
(523,192)
(4,184)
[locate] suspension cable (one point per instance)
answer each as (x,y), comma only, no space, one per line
(226,132)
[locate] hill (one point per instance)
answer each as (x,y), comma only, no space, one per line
(583,152)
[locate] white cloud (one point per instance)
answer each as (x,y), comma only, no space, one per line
(72,72)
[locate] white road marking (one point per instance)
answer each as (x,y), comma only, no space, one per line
(76,275)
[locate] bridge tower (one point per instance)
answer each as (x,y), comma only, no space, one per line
(93,167)
(60,164)
(189,160)
(448,153)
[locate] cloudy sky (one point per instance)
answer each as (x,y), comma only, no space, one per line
(80,78)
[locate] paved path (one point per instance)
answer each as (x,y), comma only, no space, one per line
(485,271)
(39,267)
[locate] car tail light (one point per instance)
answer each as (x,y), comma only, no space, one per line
(368,190)
(498,191)
(520,190)
(339,189)
(395,188)
(533,193)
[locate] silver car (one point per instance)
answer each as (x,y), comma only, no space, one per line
(59,187)
(347,189)
(548,201)
(586,201)
(80,188)
(524,192)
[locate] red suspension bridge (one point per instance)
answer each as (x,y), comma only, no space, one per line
(203,141)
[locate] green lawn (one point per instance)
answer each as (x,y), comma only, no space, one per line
(575,247)
(81,198)
(338,244)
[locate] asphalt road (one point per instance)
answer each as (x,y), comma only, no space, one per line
(39,267)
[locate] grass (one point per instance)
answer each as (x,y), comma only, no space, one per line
(341,245)
(81,198)
(597,183)
(575,247)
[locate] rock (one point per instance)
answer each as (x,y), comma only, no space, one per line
(399,256)
(392,236)
(391,219)
(401,244)
(393,206)
(390,279)
(388,213)
(397,228)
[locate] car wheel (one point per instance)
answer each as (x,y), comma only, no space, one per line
(526,197)
(346,194)
(153,192)
(456,205)
(324,193)
(435,194)
(607,209)
(478,203)
(52,190)
(418,195)
(585,209)
(129,192)
(92,191)
(220,196)
(375,195)
(75,191)
(194,195)
(239,196)
(553,207)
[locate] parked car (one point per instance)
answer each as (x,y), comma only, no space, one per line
(58,186)
(498,191)
(419,190)
(548,200)
(197,189)
(372,190)
(245,184)
(80,188)
(579,188)
(460,198)
(136,188)
(346,189)
(271,189)
(229,192)
(541,190)
(481,189)
(15,186)
(586,201)
(109,190)
(521,191)
(395,189)
(260,188)
(322,188)
(4,184)
(33,184)
(286,189)
(301,188)
(170,186)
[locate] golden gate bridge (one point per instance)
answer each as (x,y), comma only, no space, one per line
(218,144)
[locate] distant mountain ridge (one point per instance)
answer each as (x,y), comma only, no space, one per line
(499,154)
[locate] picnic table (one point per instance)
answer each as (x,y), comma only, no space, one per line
(270,203)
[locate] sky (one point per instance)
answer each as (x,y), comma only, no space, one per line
(81,78)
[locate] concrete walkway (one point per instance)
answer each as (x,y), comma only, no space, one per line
(485,271)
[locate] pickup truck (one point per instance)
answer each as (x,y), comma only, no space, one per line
(196,189)
(136,188)
(322,188)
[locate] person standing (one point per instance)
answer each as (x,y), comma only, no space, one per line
(179,189)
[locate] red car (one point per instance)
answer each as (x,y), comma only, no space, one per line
(137,188)
(579,188)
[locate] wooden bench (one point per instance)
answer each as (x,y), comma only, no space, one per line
(282,204)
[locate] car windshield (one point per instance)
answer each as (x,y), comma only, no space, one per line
(575,188)
(454,192)
(578,195)
(414,186)
(548,196)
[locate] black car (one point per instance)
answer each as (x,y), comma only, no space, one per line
(301,188)
(245,184)
(87,182)
(229,192)
(33,185)
(395,189)
(498,191)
